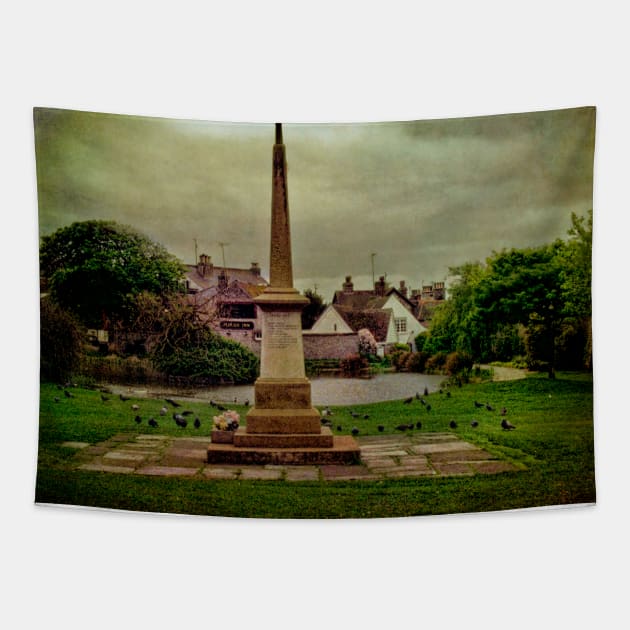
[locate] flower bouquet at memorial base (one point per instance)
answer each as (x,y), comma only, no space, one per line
(224,426)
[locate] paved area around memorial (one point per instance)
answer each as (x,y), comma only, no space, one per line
(392,456)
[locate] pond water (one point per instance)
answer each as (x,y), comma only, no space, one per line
(324,390)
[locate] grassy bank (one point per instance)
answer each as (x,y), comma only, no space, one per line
(553,442)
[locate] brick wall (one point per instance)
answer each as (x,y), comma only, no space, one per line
(327,346)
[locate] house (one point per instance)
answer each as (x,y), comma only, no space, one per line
(426,300)
(225,298)
(385,312)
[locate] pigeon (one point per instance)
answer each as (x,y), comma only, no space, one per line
(163,411)
(452,424)
(138,419)
(221,408)
(440,391)
(426,390)
(123,397)
(366,416)
(417,395)
(234,399)
(507,425)
(478,405)
(246,403)
(411,426)
(327,412)
(381,428)
(423,401)
(448,394)
(67,394)
(135,407)
(187,413)
(428,408)
(104,398)
(197,423)
(489,407)
(354,414)
(180,421)
(503,411)
(170,401)
(339,427)
(407,401)
(354,431)
(401,427)
(56,398)
(153,423)
(474,424)
(212,403)
(418,425)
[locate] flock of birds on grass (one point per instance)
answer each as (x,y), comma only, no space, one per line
(506,425)
(181,417)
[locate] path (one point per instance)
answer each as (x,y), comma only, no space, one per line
(415,455)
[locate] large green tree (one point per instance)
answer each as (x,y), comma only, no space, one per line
(93,268)
(523,286)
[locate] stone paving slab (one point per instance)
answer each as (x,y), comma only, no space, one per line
(109,469)
(77,445)
(167,471)
(458,445)
(221,472)
(346,472)
(302,473)
(196,457)
(121,458)
(95,450)
(450,468)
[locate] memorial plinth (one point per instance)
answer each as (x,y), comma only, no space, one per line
(283,427)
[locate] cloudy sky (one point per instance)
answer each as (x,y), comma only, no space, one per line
(423,196)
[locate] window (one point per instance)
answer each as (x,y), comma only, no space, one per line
(401,324)
(238,311)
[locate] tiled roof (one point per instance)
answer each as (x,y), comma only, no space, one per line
(375,320)
(199,282)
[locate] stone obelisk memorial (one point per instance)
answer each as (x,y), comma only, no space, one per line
(283,427)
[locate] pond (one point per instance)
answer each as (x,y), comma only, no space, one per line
(324,390)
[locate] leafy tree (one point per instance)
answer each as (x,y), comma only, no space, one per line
(524,286)
(61,340)
(94,267)
(456,324)
(313,309)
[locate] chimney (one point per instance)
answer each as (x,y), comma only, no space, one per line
(403,288)
(348,287)
(380,287)
(255,269)
(204,266)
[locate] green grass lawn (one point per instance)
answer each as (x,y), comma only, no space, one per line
(553,443)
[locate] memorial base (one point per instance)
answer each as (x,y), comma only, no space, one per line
(344,451)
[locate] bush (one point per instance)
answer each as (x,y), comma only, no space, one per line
(367,343)
(457,362)
(435,363)
(353,366)
(416,361)
(61,341)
